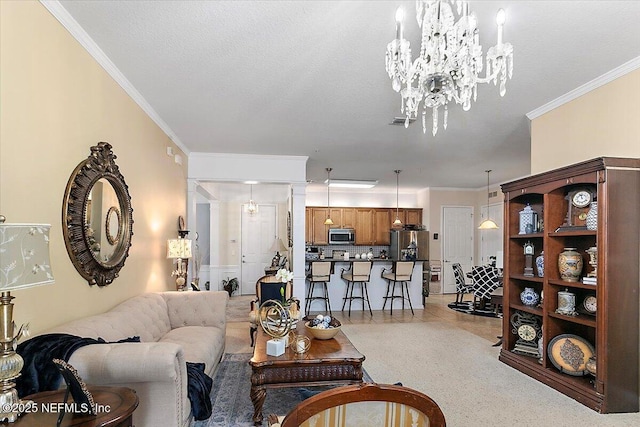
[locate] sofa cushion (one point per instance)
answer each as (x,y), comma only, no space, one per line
(199,344)
(196,308)
(143,315)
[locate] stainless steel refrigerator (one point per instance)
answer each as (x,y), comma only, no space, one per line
(409,245)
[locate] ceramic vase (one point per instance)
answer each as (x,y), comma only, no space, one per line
(529,297)
(540,264)
(592,217)
(570,265)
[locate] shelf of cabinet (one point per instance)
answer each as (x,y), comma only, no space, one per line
(526,278)
(580,319)
(533,310)
(563,284)
(571,233)
(613,182)
(526,236)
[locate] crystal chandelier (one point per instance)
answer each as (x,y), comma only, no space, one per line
(252,207)
(450,61)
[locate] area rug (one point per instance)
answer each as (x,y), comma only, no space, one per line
(468,307)
(230,395)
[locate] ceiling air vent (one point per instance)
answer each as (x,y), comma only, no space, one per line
(399,121)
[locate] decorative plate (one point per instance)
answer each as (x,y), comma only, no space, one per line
(570,354)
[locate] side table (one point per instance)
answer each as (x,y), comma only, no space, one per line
(115,406)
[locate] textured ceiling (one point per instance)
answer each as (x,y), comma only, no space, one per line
(308,78)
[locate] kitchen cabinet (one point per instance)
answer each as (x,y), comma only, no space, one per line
(364,226)
(382,226)
(348,218)
(319,231)
(412,216)
(372,225)
(606,312)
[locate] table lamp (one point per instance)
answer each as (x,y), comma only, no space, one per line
(180,250)
(277,247)
(24,263)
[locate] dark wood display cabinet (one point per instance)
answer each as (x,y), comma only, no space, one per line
(568,337)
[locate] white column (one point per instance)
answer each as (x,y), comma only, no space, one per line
(192,184)
(299,195)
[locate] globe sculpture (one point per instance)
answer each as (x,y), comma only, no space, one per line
(275,319)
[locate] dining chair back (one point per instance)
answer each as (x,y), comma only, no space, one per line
(270,288)
(373,405)
(462,287)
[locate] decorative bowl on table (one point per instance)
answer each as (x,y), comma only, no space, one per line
(323,331)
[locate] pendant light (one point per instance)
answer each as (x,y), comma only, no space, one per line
(252,207)
(397,221)
(328,221)
(488,224)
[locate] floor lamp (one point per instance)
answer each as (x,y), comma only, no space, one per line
(24,263)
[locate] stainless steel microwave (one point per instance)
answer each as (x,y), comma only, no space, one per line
(342,236)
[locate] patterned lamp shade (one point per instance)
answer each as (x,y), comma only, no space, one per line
(24,256)
(179,248)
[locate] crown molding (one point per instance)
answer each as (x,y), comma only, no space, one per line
(607,77)
(64,17)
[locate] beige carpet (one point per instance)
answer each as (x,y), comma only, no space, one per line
(238,308)
(461,372)
(448,356)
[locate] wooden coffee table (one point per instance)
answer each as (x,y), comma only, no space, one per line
(335,361)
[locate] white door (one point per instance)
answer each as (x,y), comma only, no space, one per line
(457,243)
(258,234)
(491,240)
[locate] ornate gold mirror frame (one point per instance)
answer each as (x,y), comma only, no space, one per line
(97,248)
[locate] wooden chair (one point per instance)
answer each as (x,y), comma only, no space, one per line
(401,273)
(373,405)
(462,287)
(269,288)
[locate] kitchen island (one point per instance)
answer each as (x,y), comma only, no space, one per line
(377,287)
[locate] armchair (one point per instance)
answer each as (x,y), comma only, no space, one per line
(365,404)
(270,288)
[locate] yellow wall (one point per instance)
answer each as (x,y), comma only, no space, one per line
(603,122)
(56,102)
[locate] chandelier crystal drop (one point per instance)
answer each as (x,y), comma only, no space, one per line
(450,61)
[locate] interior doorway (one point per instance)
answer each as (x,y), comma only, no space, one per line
(258,231)
(457,243)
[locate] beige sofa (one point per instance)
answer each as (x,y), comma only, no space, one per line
(174,328)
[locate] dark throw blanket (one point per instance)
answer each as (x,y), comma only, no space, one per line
(40,374)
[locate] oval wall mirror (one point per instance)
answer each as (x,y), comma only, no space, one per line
(97,217)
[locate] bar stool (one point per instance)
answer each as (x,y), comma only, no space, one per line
(320,273)
(360,272)
(401,273)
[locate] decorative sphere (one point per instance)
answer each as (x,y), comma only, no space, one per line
(275,319)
